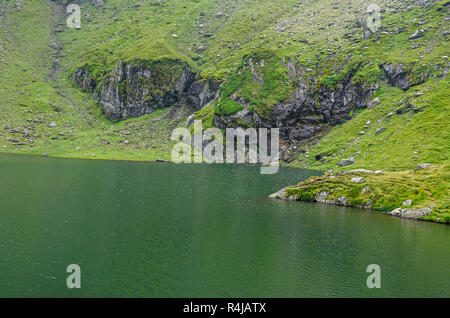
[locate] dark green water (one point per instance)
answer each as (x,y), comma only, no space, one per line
(163,230)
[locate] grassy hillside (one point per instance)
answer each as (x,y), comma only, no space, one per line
(35,97)
(221,38)
(386,138)
(218,39)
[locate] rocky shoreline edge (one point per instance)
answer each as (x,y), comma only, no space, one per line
(406,194)
(414,214)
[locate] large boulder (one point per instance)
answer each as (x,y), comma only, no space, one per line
(422,166)
(374,103)
(418,34)
(346,162)
(398,75)
(411,213)
(358,180)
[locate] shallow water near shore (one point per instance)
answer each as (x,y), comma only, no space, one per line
(142,229)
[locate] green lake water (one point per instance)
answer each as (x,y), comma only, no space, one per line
(165,230)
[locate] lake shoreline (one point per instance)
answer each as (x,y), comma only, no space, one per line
(319,194)
(419,194)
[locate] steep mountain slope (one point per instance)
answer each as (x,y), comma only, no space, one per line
(136,69)
(42,111)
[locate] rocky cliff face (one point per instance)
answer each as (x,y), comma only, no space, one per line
(137,88)
(310,107)
(133,89)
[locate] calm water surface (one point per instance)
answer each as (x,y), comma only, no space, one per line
(163,230)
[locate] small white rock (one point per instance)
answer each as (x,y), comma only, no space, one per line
(358,180)
(407,203)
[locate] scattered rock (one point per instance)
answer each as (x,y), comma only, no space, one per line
(421,166)
(44,155)
(341,201)
(54,45)
(346,162)
(380,130)
(282,195)
(418,34)
(374,103)
(52,124)
(201,49)
(97,3)
(403,110)
(407,203)
(322,196)
(358,180)
(162,160)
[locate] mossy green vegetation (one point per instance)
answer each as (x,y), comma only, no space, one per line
(261,81)
(385,191)
(206,115)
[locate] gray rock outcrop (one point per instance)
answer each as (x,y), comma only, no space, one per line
(397,75)
(309,108)
(414,214)
(133,89)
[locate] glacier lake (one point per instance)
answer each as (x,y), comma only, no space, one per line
(142,229)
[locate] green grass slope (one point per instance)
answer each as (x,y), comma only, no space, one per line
(220,39)
(386,138)
(34,97)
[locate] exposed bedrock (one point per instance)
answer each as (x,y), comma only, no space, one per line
(309,108)
(137,88)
